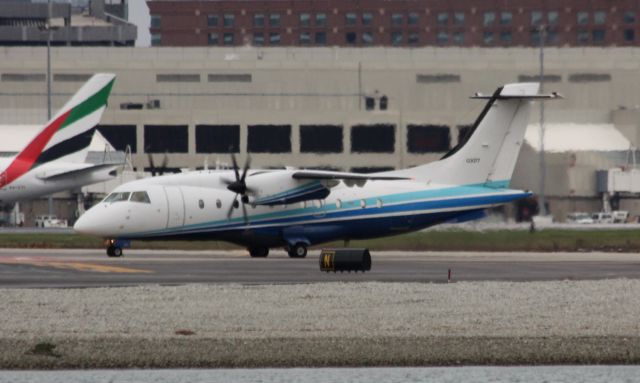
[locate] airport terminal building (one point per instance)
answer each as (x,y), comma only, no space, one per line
(352,109)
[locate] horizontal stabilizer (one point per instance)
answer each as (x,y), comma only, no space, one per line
(57,175)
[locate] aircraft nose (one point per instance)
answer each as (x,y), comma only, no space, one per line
(85,224)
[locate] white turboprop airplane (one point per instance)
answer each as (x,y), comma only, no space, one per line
(54,159)
(298,208)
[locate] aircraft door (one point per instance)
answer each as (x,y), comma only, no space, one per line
(175,206)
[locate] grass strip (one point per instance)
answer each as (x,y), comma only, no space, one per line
(446,240)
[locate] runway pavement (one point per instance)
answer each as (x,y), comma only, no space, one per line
(92,268)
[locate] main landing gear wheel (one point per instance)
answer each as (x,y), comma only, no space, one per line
(114,251)
(299,250)
(259,252)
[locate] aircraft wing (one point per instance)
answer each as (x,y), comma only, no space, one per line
(64,173)
(346,176)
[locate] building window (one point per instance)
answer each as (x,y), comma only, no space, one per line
(377,138)
(367,18)
(458,37)
(229,77)
(535,37)
(213,39)
(442,38)
(156,39)
(488,37)
(506,18)
(212,20)
(598,36)
(458,18)
(443,18)
(350,19)
(166,138)
(369,103)
(228,20)
(600,17)
(428,138)
(321,19)
(413,18)
(120,136)
(552,17)
(258,20)
(228,39)
(258,39)
(305,19)
(629,35)
(269,139)
(350,38)
(274,20)
(413,38)
(321,38)
(321,138)
(583,37)
(552,37)
(396,38)
(71,77)
(367,38)
(583,17)
(489,19)
(305,38)
(177,77)
(274,38)
(396,19)
(536,18)
(217,138)
(155,21)
(629,17)
(506,38)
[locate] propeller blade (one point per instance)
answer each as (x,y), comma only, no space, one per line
(244,214)
(235,166)
(151,165)
(232,206)
(246,168)
(165,162)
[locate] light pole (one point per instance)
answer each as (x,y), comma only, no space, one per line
(543,170)
(48,28)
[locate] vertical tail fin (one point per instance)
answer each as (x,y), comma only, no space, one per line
(68,134)
(489,154)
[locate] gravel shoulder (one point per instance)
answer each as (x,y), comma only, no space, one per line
(334,324)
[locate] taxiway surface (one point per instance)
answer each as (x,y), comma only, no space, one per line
(92,268)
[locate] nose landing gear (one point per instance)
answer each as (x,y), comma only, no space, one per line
(115,246)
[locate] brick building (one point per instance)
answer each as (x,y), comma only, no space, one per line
(408,23)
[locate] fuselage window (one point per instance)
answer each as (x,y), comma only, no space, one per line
(201,204)
(140,196)
(218,203)
(117,197)
(363,203)
(379,203)
(338,204)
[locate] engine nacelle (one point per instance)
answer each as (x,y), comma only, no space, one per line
(345,260)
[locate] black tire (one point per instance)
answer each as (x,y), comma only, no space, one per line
(258,252)
(299,250)
(114,251)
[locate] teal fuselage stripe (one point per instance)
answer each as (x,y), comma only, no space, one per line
(306,213)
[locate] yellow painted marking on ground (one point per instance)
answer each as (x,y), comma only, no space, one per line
(79,266)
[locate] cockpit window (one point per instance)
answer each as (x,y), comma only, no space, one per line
(140,196)
(117,197)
